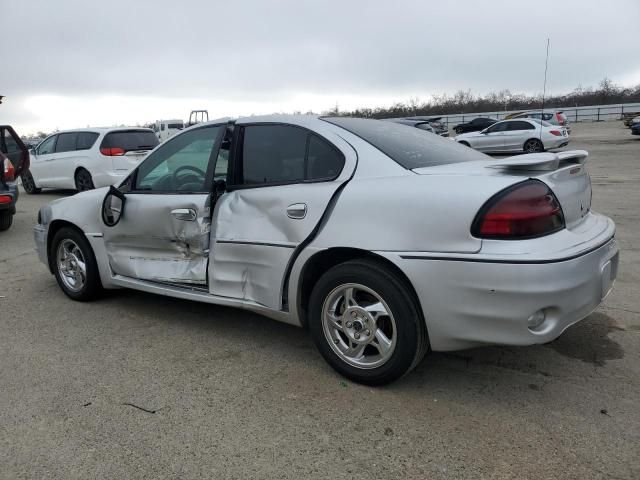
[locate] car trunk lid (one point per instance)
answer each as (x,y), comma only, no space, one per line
(564,172)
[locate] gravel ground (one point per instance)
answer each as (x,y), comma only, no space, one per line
(141,386)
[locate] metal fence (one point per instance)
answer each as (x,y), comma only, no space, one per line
(594,113)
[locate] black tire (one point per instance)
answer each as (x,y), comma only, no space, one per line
(29,184)
(92,286)
(533,145)
(6,219)
(458,131)
(411,333)
(466,144)
(83,180)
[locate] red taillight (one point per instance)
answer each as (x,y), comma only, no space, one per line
(557,133)
(560,119)
(5,199)
(112,151)
(526,210)
(9,171)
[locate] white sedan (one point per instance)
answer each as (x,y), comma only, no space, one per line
(522,135)
(383,241)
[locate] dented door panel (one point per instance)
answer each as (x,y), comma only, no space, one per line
(150,243)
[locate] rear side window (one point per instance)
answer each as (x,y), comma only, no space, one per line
(86,140)
(66,142)
(273,154)
(276,154)
(323,160)
(130,140)
(513,126)
(409,147)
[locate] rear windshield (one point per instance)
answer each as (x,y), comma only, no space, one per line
(130,140)
(541,122)
(409,146)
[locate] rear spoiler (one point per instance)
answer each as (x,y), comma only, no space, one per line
(543,161)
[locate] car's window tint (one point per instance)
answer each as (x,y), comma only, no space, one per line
(273,154)
(323,161)
(520,125)
(47,145)
(66,142)
(9,144)
(498,127)
(129,140)
(86,140)
(180,164)
(409,147)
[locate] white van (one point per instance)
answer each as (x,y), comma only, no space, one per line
(87,158)
(166,128)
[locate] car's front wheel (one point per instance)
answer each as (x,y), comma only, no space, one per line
(74,265)
(366,323)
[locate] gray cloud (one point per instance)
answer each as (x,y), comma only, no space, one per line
(255,50)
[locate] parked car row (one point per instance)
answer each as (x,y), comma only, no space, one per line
(528,135)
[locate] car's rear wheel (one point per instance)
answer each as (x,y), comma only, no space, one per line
(533,146)
(366,323)
(74,265)
(28,183)
(6,219)
(83,180)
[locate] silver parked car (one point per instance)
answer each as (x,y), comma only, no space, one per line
(383,241)
(523,135)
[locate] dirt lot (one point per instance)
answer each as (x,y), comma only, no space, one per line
(140,386)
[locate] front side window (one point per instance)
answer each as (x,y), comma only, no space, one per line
(66,142)
(498,127)
(47,145)
(181,164)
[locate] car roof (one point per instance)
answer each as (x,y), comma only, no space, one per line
(101,129)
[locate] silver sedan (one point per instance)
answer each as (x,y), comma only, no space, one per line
(383,241)
(527,135)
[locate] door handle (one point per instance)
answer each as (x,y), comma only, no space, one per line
(297,211)
(186,214)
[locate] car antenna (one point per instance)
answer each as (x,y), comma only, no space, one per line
(544,88)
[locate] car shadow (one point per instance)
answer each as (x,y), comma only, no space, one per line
(588,343)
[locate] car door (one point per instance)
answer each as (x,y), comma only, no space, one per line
(517,132)
(61,165)
(491,139)
(39,166)
(163,229)
(283,178)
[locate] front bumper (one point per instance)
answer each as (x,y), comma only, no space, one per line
(481,302)
(40,238)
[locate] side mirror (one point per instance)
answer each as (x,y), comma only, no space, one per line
(113,206)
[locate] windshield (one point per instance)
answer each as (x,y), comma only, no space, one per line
(410,147)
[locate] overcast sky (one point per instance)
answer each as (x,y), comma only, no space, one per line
(69,64)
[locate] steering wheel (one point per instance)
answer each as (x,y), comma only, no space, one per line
(199,172)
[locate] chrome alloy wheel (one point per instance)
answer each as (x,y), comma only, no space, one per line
(359,326)
(71,265)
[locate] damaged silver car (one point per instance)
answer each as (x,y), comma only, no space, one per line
(382,241)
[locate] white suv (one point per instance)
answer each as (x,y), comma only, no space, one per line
(87,158)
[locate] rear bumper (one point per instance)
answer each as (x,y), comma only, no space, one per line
(10,190)
(105,179)
(468,303)
(559,143)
